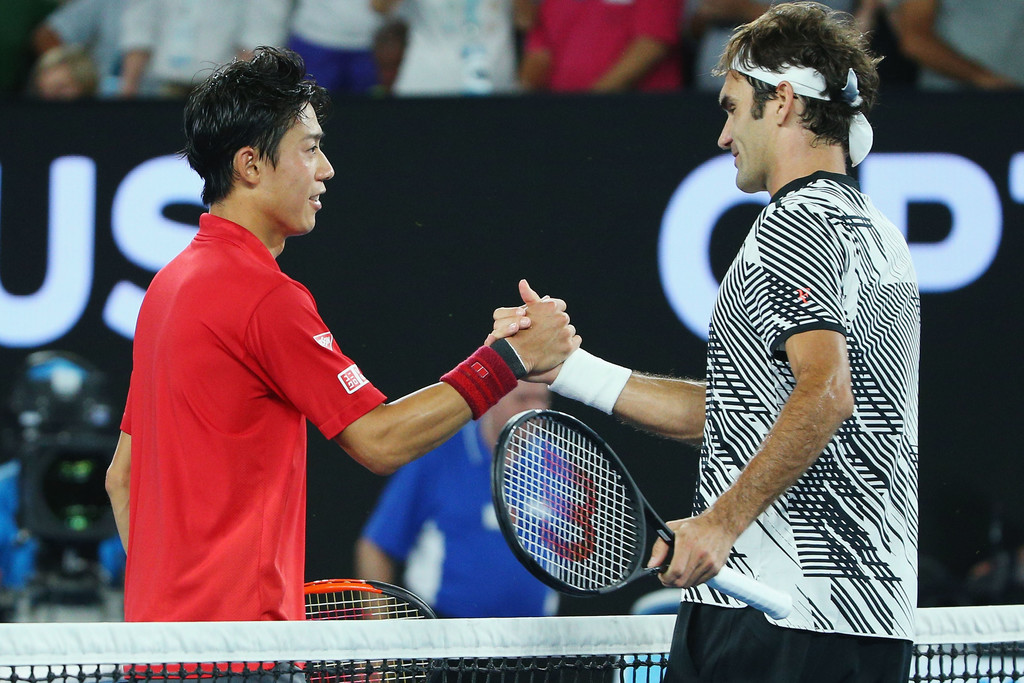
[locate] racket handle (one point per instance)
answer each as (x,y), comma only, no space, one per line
(771,601)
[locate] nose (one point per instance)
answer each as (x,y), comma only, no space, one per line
(725,138)
(326,170)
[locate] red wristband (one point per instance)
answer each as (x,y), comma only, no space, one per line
(482,379)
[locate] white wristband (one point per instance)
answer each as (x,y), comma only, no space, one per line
(591,380)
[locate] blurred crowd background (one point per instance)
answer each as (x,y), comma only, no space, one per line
(66,49)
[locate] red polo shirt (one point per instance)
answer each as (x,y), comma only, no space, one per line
(230,357)
(586,37)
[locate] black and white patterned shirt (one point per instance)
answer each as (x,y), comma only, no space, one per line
(842,540)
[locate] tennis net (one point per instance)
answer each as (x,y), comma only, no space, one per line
(958,645)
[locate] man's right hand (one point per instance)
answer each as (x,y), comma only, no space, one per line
(540,332)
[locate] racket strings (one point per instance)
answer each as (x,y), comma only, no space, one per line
(572,512)
(358,604)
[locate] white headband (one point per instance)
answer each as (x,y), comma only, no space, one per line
(810,83)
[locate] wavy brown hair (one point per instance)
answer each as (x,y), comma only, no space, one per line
(812,35)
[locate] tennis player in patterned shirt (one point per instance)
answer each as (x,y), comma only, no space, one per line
(808,417)
(208,480)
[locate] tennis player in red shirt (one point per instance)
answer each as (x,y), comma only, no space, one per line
(208,480)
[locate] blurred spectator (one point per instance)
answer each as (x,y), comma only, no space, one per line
(168,46)
(711,22)
(65,72)
(335,39)
(18,549)
(18,19)
(896,70)
(436,515)
(95,25)
(603,46)
(388,50)
(456,47)
(962,44)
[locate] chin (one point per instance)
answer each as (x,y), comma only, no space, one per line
(748,185)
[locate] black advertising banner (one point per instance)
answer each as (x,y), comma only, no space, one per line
(622,206)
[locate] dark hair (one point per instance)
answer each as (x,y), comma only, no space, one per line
(246,103)
(811,35)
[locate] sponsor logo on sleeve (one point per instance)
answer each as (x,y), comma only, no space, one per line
(325,339)
(352,379)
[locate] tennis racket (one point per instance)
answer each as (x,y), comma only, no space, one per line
(352,599)
(355,599)
(575,518)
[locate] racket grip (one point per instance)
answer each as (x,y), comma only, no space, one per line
(771,601)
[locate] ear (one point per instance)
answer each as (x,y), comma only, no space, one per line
(784,104)
(246,165)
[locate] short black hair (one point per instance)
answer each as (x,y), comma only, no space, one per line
(246,103)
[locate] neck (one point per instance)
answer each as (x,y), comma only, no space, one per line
(798,158)
(252,220)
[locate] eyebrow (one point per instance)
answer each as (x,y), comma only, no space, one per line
(724,102)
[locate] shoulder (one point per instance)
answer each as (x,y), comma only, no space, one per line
(811,205)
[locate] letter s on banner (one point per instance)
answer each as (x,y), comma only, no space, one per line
(143,234)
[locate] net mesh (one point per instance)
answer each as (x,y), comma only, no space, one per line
(571,510)
(955,645)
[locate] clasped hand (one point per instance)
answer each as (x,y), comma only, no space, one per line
(539,330)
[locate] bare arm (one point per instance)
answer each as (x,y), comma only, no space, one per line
(820,402)
(724,12)
(44,38)
(133,65)
(373,563)
(914,21)
(535,70)
(636,60)
(384,6)
(396,433)
(667,406)
(524,12)
(118,482)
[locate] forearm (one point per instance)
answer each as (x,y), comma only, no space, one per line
(372,563)
(524,12)
(804,427)
(937,56)
(44,38)
(535,69)
(384,6)
(118,483)
(914,22)
(667,406)
(119,502)
(394,434)
(638,59)
(132,67)
(397,433)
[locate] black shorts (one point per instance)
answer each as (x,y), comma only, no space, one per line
(735,645)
